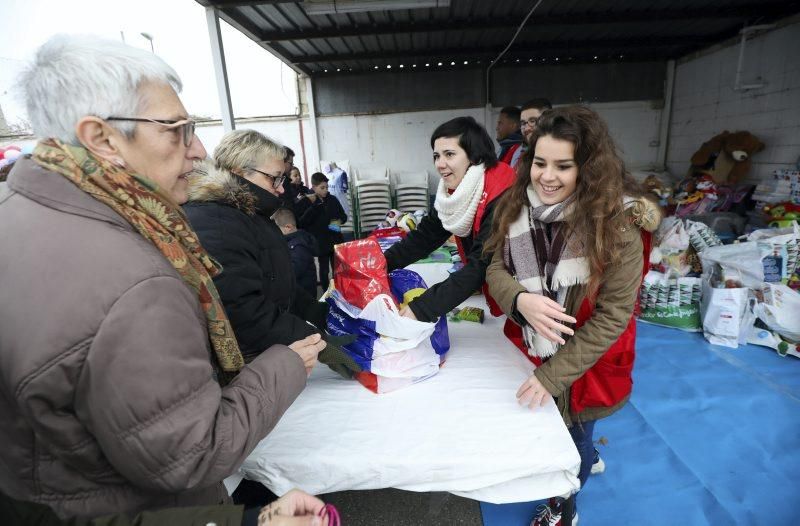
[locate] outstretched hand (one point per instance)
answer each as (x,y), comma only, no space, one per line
(532,393)
(407,313)
(296,508)
(308,349)
(542,314)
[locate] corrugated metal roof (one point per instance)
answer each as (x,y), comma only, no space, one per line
(471,33)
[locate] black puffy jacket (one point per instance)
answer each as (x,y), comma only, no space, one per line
(303,250)
(315,218)
(257,285)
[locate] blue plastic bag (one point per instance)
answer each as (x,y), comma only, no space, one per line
(403,280)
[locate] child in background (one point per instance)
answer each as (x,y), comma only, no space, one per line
(302,249)
(293,188)
(322,216)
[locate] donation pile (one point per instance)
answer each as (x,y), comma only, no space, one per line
(746,295)
(735,294)
(390,351)
(670,293)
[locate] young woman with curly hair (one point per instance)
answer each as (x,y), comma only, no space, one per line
(569,239)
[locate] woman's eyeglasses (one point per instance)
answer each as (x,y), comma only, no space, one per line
(276,180)
(186,126)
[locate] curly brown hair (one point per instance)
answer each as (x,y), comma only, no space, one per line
(598,215)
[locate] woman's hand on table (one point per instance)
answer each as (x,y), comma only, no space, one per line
(296,508)
(308,349)
(543,315)
(532,393)
(407,313)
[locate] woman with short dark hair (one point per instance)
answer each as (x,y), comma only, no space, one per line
(471,181)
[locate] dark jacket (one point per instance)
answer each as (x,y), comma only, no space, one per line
(107,391)
(512,142)
(292,193)
(19,513)
(315,218)
(303,249)
(232,219)
(430,234)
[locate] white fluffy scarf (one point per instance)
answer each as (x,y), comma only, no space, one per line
(457,210)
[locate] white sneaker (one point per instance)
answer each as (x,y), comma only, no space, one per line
(598,466)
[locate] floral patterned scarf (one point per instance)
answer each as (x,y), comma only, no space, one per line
(159,220)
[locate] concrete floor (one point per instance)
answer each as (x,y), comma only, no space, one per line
(407,508)
(382,507)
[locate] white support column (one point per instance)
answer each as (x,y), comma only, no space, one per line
(666,115)
(220,71)
(312,120)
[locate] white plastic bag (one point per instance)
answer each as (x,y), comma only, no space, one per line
(388,322)
(403,346)
(740,264)
(780,311)
(725,315)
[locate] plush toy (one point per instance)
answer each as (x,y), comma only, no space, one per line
(782,214)
(726,157)
(686,192)
(664,193)
(705,184)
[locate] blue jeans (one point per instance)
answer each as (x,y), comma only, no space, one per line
(582,433)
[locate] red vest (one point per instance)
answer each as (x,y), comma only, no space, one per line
(509,155)
(495,182)
(609,380)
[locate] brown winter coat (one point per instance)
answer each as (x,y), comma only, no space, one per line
(108,398)
(614,307)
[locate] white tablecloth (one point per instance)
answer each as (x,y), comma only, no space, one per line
(461,431)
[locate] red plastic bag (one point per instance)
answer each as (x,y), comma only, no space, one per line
(379,233)
(359,270)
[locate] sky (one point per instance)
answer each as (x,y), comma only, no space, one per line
(260,83)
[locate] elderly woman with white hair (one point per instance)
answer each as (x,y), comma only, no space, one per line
(123,385)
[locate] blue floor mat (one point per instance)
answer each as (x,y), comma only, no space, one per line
(711,436)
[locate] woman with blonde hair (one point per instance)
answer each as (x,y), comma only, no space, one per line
(569,240)
(231,208)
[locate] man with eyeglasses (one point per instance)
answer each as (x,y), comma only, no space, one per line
(531,111)
(508,135)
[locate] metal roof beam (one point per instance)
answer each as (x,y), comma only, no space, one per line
(744,11)
(585,46)
(250,30)
(221,4)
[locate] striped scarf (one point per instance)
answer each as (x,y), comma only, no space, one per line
(158,219)
(544,263)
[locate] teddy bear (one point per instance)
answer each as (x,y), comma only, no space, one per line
(664,193)
(726,157)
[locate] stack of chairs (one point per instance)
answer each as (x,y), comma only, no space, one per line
(372,196)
